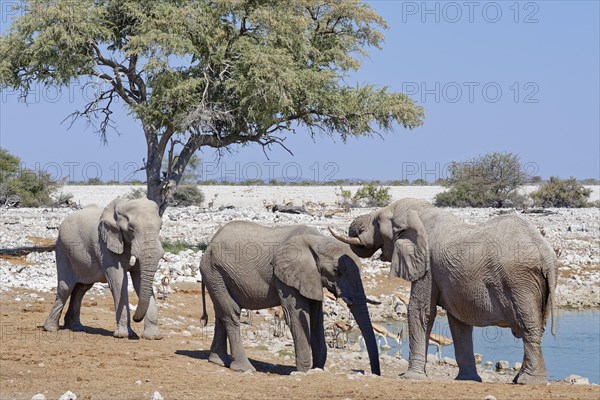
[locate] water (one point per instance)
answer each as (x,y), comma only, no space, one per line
(574,350)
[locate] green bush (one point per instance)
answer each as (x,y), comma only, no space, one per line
(373,196)
(32,188)
(179,246)
(344,198)
(369,195)
(94,181)
(567,193)
(188,195)
(491,180)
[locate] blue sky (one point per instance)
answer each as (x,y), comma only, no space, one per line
(493,76)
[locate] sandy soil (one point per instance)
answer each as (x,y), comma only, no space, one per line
(94,365)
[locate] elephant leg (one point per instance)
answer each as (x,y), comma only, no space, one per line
(151,330)
(317,335)
(117,281)
(63,291)
(72,318)
(218,348)
(231,320)
(421,315)
(227,313)
(533,369)
(297,315)
(462,334)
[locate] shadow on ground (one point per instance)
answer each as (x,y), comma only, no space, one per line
(260,366)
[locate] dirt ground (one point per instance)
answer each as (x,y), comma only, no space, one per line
(94,365)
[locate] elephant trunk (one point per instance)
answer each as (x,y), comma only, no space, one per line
(148,259)
(361,315)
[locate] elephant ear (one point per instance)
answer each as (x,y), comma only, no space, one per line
(410,258)
(110,232)
(295,264)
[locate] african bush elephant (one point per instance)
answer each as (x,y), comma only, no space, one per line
(502,272)
(101,245)
(251,266)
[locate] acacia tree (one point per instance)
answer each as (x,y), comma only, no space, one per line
(206,72)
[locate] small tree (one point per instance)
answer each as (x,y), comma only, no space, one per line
(567,193)
(369,195)
(491,180)
(206,73)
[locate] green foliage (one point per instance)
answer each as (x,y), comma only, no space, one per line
(94,181)
(491,180)
(137,193)
(373,196)
(33,188)
(567,193)
(419,182)
(369,195)
(590,181)
(403,182)
(188,195)
(9,165)
(178,246)
(207,73)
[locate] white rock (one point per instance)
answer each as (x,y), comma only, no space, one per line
(138,382)
(501,365)
(68,395)
(478,358)
(157,396)
(38,396)
(577,380)
(489,397)
(517,365)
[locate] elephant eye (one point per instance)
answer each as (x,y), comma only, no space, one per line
(131,228)
(336,271)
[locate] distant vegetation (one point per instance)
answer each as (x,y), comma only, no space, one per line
(494,180)
(369,195)
(178,246)
(567,193)
(22,186)
(491,180)
(186,195)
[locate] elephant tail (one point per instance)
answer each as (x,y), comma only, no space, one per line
(204,318)
(551,277)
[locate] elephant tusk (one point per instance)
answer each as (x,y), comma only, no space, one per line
(346,239)
(132,261)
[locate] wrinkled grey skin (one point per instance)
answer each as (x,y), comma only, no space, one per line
(251,266)
(502,273)
(96,245)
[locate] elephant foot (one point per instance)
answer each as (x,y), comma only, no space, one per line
(470,376)
(415,375)
(50,326)
(74,326)
(524,378)
(222,360)
(152,335)
(242,366)
(125,334)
